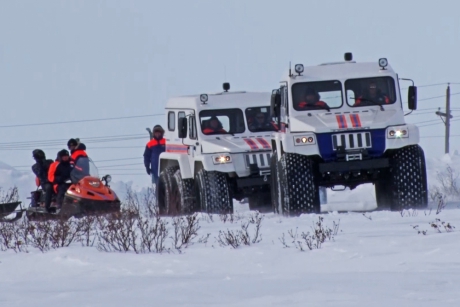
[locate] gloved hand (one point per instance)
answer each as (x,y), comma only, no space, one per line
(149,171)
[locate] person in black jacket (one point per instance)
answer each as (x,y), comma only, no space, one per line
(60,174)
(40,169)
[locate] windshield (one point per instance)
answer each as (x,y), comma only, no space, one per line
(83,168)
(370,91)
(225,121)
(323,95)
(258,119)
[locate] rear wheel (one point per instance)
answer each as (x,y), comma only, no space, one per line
(167,191)
(408,182)
(183,188)
(300,191)
(212,192)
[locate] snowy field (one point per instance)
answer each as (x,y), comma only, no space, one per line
(377,258)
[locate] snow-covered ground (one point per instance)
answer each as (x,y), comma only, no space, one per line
(376,259)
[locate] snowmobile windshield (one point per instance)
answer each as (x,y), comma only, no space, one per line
(223,121)
(83,168)
(317,95)
(258,119)
(370,91)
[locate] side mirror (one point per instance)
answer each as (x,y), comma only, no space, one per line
(275,103)
(412,97)
(182,127)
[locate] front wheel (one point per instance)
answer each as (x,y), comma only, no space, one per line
(212,192)
(299,189)
(408,182)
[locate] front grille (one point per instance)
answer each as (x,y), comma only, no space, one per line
(352,140)
(261,159)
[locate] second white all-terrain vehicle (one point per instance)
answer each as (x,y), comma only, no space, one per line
(217,149)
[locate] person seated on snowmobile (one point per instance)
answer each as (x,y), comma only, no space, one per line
(79,159)
(214,126)
(40,169)
(59,174)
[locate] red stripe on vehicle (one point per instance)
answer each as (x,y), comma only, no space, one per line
(264,143)
(341,121)
(358,120)
(251,144)
(176,148)
(353,120)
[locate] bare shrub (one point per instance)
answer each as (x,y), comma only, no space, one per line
(144,204)
(422,232)
(313,240)
(63,232)
(408,213)
(87,230)
(236,238)
(10,196)
(153,234)
(40,234)
(185,230)
(438,225)
(117,232)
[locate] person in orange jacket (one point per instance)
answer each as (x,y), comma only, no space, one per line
(59,174)
(214,126)
(312,101)
(79,159)
(372,96)
(152,152)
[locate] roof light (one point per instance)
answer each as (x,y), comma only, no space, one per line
(226,86)
(298,68)
(383,62)
(204,98)
(348,56)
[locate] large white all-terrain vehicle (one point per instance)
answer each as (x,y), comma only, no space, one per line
(341,125)
(217,148)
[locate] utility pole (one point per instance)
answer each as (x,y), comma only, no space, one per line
(448,116)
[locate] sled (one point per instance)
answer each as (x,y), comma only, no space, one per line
(8,209)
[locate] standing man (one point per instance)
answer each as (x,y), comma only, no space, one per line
(152,152)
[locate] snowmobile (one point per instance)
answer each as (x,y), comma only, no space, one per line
(86,195)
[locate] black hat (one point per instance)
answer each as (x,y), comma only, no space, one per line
(38,154)
(158,128)
(72,142)
(63,153)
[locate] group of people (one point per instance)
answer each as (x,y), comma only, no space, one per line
(372,95)
(53,176)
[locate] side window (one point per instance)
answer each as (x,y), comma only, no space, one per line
(171,120)
(192,128)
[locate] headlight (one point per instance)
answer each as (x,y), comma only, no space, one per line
(397,132)
(95,184)
(221,159)
(304,140)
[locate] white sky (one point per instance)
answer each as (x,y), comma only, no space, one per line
(72,60)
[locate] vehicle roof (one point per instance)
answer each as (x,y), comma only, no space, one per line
(222,100)
(339,71)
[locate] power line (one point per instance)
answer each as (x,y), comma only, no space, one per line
(80,121)
(434,97)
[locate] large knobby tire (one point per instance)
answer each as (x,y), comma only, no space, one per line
(212,192)
(275,183)
(408,182)
(299,188)
(185,198)
(166,191)
(260,201)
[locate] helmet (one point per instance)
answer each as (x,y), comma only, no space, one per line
(63,153)
(38,154)
(72,142)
